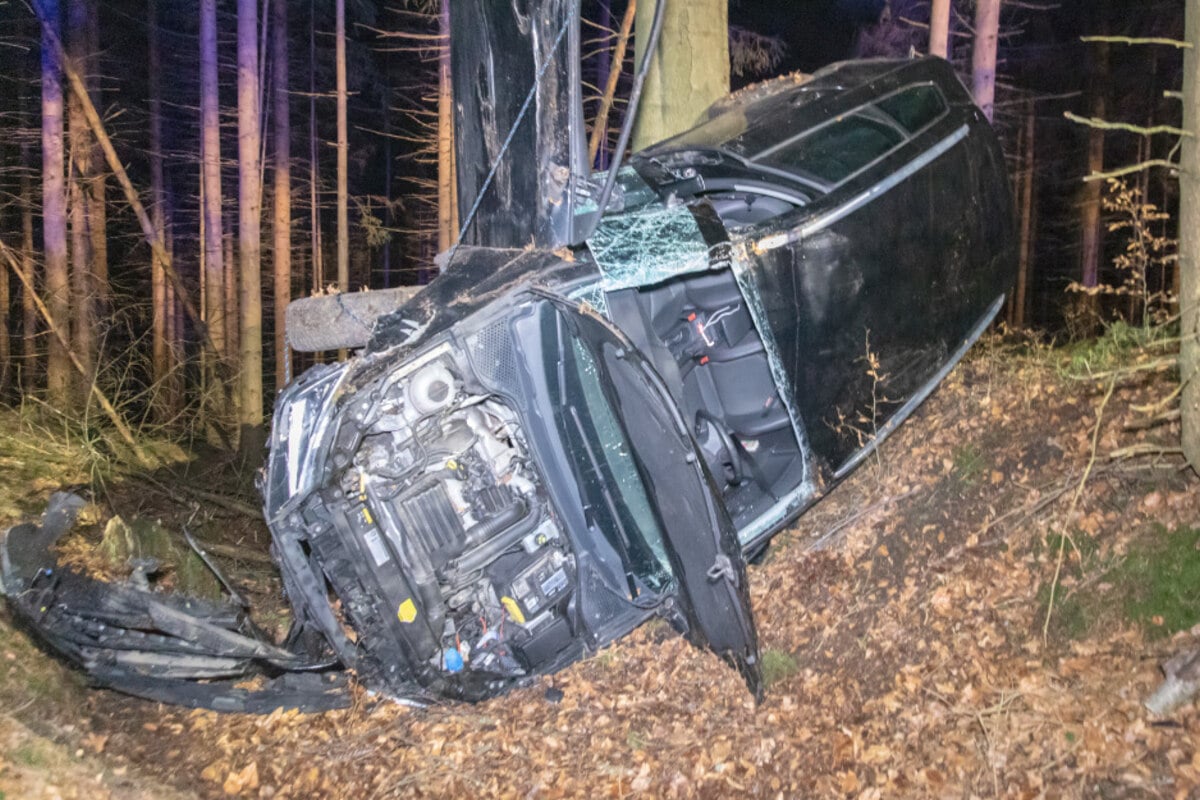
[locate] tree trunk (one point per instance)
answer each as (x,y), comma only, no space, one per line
(1021,299)
(939,29)
(250,389)
(282,255)
(29,317)
(447,183)
(688,73)
(314,158)
(1092,245)
(160,336)
(1189,239)
(83,322)
(98,185)
(5,334)
(54,209)
(230,287)
(343,155)
(210,154)
(983,60)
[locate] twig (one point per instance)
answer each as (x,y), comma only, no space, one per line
(1182,45)
(1144,449)
(1062,542)
(1141,130)
(1145,165)
(826,537)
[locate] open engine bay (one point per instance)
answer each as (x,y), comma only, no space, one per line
(440,517)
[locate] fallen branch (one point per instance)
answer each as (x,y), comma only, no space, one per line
(110,411)
(1180,685)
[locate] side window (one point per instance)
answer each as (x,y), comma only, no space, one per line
(915,107)
(837,150)
(842,147)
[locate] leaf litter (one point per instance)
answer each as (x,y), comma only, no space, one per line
(908,651)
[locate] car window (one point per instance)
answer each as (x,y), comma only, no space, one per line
(915,107)
(837,150)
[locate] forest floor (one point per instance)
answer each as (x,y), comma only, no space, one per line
(903,626)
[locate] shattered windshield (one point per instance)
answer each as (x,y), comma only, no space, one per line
(613,494)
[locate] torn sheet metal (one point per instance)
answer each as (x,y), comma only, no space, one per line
(147,644)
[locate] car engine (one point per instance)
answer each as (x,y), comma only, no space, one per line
(437,488)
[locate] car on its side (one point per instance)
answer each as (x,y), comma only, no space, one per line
(544,448)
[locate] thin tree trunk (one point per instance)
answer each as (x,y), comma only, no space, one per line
(939,28)
(1093,237)
(1020,301)
(5,334)
(29,359)
(210,154)
(343,154)
(283,191)
(314,156)
(600,129)
(983,60)
(250,385)
(98,185)
(160,336)
(54,208)
(1189,239)
(230,288)
(447,181)
(83,340)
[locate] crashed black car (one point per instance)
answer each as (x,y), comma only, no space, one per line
(545,448)
(552,443)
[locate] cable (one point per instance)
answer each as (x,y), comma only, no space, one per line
(630,114)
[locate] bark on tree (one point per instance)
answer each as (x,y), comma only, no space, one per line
(447,183)
(343,154)
(314,158)
(689,71)
(1092,245)
(98,185)
(5,334)
(83,322)
(939,28)
(54,208)
(161,366)
(210,154)
(1021,298)
(29,316)
(250,391)
(282,255)
(983,60)
(1189,239)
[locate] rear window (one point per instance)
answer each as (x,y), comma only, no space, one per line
(840,148)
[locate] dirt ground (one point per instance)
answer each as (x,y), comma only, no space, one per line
(903,625)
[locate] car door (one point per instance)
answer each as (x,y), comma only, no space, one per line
(701,541)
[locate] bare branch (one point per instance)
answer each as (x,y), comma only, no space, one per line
(1095,122)
(1138,40)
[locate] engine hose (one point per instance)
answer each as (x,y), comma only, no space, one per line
(495,535)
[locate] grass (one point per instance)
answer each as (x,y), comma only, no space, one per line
(1163,582)
(1119,345)
(1156,586)
(969,463)
(777,665)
